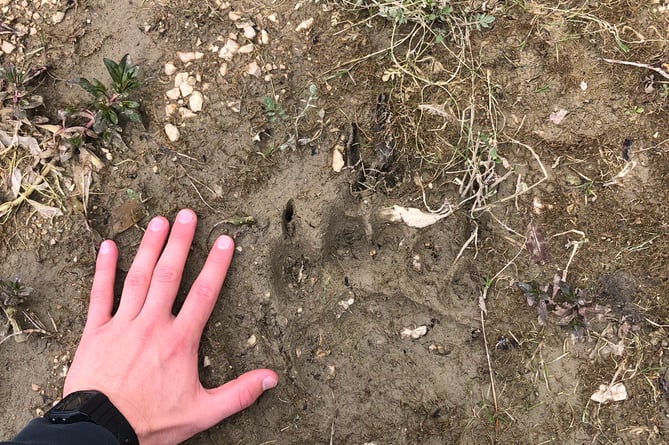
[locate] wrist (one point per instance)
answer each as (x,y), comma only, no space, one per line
(93,406)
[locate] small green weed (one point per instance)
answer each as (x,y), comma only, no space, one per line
(110,103)
(405,11)
(14,90)
(274,110)
(13,293)
(634,110)
(482,21)
(664,90)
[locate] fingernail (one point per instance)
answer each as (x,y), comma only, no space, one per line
(185,216)
(156,224)
(268,383)
(105,247)
(225,243)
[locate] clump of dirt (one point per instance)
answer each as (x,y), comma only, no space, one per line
(491,124)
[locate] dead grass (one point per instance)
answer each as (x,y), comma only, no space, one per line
(451,133)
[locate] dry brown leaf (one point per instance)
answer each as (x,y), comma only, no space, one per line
(437,110)
(126,215)
(613,393)
(45,210)
(16,179)
(412,217)
(536,244)
(26,142)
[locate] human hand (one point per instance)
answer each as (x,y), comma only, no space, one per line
(143,357)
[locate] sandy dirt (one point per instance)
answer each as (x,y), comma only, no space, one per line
(322,286)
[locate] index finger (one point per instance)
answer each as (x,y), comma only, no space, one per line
(203,294)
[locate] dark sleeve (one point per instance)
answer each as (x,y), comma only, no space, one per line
(40,432)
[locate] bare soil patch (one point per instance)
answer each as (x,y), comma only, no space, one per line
(504,123)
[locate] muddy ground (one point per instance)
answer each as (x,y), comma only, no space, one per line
(322,286)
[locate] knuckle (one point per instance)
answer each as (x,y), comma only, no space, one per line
(98,295)
(136,279)
(147,333)
(165,274)
(203,290)
(245,398)
(177,346)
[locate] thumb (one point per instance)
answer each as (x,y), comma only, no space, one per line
(240,393)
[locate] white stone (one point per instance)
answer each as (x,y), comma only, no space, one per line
(186,113)
(172,132)
(249,32)
(186,57)
(251,341)
(264,37)
(337,161)
(305,25)
(7,47)
(186,89)
(229,50)
(246,49)
(58,17)
(189,56)
(170,109)
(232,46)
(173,94)
(254,69)
(195,101)
(170,68)
(419,332)
(180,78)
(223,70)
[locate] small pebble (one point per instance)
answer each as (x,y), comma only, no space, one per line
(172,132)
(170,109)
(249,32)
(305,25)
(189,56)
(246,49)
(229,50)
(7,47)
(58,17)
(186,113)
(173,94)
(264,37)
(170,68)
(251,342)
(180,78)
(254,69)
(186,89)
(196,101)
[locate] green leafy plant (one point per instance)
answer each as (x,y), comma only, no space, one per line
(13,293)
(274,110)
(483,21)
(634,110)
(14,92)
(110,103)
(664,91)
(422,11)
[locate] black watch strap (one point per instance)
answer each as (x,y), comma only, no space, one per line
(93,406)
